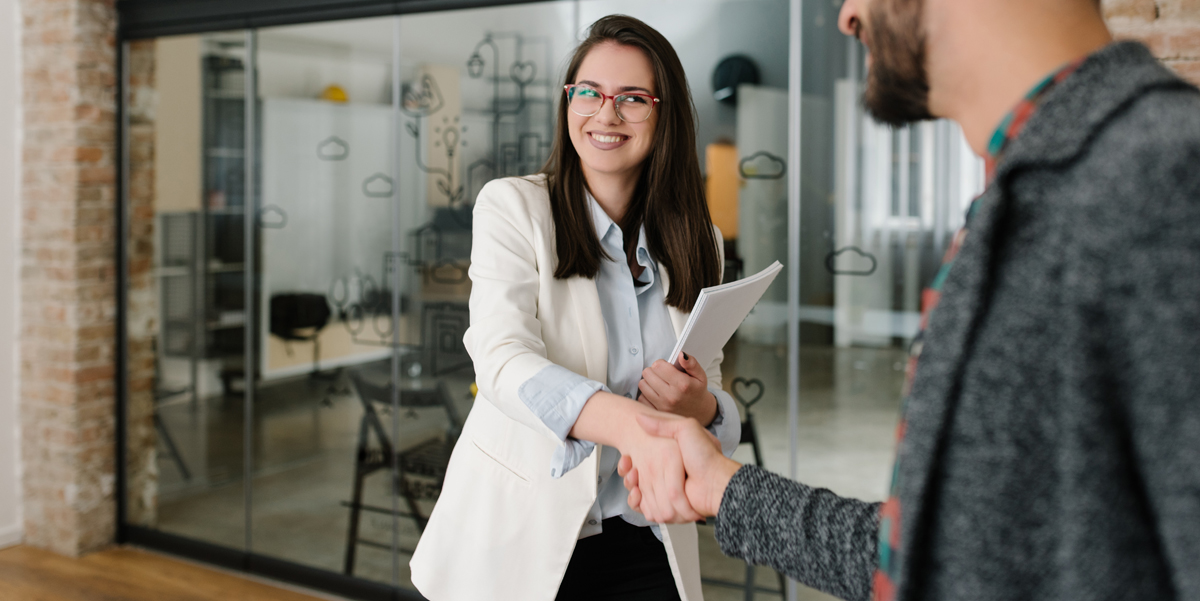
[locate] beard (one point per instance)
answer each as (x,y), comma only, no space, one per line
(897,91)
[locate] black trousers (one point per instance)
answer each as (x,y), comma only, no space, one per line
(625,563)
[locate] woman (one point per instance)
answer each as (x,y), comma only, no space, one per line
(582,277)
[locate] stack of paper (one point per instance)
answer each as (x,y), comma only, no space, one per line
(718,312)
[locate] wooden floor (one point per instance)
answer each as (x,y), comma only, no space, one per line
(123,574)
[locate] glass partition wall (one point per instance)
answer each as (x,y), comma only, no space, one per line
(298,232)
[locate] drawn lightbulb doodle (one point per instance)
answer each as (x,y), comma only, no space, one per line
(450,140)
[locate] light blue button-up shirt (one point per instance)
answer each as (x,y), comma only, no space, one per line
(639,332)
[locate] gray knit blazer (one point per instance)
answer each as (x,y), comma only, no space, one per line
(1053,443)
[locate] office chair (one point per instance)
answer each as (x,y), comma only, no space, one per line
(420,466)
(300,317)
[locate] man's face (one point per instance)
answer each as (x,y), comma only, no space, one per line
(897,82)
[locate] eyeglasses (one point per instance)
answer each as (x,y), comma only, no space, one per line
(631,107)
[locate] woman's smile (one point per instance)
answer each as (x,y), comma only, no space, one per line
(607,141)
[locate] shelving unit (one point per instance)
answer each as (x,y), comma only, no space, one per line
(223,253)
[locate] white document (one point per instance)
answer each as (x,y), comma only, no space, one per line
(718,312)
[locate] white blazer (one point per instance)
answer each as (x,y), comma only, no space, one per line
(503,528)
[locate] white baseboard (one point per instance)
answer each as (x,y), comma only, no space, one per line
(11,535)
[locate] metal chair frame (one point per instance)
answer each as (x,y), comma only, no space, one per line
(426,458)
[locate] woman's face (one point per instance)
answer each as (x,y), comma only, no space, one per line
(608,146)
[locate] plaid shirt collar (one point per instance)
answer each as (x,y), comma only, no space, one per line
(1012,123)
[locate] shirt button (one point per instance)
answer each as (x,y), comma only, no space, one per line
(633,350)
(591,522)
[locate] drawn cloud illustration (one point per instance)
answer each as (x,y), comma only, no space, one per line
(851,260)
(762,165)
(333,148)
(378,186)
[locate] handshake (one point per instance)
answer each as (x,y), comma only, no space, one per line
(679,473)
(672,466)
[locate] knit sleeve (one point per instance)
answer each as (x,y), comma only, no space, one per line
(1152,297)
(814,536)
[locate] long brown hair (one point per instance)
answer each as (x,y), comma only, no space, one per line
(669,198)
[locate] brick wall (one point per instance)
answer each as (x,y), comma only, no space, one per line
(1171,28)
(68,305)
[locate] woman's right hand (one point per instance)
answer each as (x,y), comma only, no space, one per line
(611,419)
(661,476)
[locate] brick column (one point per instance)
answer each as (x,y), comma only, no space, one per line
(1171,28)
(68,302)
(141,465)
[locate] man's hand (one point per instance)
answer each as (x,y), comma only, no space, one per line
(708,471)
(680,390)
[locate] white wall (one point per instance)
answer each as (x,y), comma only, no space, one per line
(10,94)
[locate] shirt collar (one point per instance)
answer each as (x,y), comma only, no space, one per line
(605,225)
(1012,123)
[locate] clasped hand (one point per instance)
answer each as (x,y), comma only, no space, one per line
(675,471)
(702,478)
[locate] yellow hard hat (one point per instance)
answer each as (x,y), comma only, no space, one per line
(335,93)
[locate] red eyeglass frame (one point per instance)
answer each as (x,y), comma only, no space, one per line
(603,97)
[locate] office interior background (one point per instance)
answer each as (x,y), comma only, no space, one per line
(234,250)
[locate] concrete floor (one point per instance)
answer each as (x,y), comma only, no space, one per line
(305,459)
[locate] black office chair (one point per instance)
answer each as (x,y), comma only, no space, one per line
(420,466)
(300,317)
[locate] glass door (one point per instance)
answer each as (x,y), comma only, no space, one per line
(327,335)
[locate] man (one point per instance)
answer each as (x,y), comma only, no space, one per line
(1050,433)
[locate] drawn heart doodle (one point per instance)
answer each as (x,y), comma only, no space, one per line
(741,388)
(523,73)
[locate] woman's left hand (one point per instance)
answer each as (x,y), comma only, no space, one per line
(680,390)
